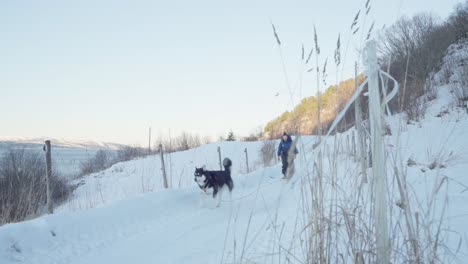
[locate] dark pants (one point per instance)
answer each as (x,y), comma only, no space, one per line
(284,160)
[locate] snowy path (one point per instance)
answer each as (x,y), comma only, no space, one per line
(162,227)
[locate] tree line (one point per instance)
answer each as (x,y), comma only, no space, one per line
(410,50)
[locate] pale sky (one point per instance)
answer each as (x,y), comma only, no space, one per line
(107,70)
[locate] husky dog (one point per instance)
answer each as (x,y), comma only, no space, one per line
(215,180)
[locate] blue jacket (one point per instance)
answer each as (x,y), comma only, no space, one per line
(284,147)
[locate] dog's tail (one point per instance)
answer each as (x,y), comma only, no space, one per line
(227,163)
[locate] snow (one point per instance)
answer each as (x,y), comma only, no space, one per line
(170,226)
(167,226)
(129,179)
(123,215)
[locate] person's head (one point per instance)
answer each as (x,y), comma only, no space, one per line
(285,136)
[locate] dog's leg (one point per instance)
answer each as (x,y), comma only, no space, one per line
(219,197)
(231,186)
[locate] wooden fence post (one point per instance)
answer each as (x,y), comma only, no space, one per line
(48,154)
(163,166)
(219,155)
(247,160)
(361,140)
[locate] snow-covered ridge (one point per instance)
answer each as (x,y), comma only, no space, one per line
(62,143)
(67,155)
(452,64)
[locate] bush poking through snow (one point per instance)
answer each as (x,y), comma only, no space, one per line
(101,161)
(23,185)
(460,87)
(443,113)
(415,110)
(441,159)
(447,71)
(127,153)
(411,162)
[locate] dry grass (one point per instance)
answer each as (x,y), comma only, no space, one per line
(23,185)
(415,110)
(336,223)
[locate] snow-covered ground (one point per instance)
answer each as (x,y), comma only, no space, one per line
(123,215)
(128,179)
(133,178)
(170,226)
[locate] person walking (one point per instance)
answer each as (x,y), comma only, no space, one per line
(283,152)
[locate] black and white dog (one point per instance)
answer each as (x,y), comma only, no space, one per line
(215,180)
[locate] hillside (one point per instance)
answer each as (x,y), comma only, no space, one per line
(412,49)
(303,118)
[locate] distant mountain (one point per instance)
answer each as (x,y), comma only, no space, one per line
(7,142)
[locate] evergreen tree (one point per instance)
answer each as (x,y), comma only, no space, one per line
(231,136)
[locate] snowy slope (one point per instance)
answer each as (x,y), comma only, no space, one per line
(133,178)
(162,227)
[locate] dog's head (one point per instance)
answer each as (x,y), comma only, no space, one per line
(200,176)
